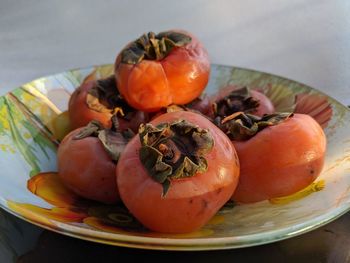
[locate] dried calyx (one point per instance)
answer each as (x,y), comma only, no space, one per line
(113,140)
(173,151)
(238,100)
(105,97)
(153,47)
(241,126)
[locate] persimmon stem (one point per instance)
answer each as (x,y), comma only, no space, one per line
(173,151)
(153,47)
(240,126)
(238,100)
(166,151)
(105,97)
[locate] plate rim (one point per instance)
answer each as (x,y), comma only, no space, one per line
(183,244)
(211,64)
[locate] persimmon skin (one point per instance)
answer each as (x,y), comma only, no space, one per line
(203,106)
(280,160)
(178,78)
(80,114)
(265,104)
(191,202)
(86,168)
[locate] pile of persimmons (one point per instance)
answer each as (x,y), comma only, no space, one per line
(147,136)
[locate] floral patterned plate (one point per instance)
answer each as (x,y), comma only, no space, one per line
(30,188)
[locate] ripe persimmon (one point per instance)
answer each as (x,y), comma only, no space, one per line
(155,71)
(231,99)
(86,161)
(279,154)
(177,173)
(100,100)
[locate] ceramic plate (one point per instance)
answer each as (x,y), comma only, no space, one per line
(30,189)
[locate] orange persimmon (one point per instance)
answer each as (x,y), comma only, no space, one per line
(79,112)
(99,100)
(231,99)
(155,71)
(86,161)
(177,173)
(284,156)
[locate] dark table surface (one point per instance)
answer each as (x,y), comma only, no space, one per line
(25,243)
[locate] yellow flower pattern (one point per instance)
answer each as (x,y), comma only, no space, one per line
(67,207)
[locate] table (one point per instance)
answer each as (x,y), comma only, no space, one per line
(304,40)
(24,243)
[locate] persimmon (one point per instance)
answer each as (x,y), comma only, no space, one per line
(231,99)
(86,161)
(279,154)
(157,70)
(200,105)
(177,173)
(100,100)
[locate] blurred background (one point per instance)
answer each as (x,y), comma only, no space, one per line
(305,40)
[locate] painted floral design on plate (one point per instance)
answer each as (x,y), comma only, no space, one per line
(31,121)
